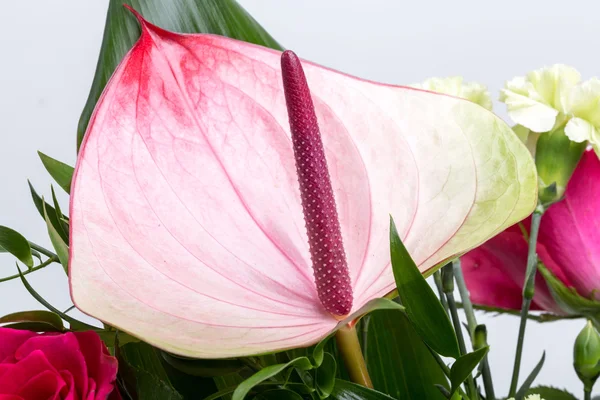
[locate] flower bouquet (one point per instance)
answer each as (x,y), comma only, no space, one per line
(247,224)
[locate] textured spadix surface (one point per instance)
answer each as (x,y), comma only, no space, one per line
(187,225)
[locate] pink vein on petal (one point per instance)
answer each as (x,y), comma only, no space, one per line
(234,187)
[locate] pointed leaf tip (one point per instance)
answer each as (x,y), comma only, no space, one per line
(134,12)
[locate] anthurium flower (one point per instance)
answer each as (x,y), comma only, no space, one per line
(455,86)
(187,224)
(568,245)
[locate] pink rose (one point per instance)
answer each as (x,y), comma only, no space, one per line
(70,366)
(568,245)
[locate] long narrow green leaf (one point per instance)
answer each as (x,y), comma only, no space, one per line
(59,171)
(152,381)
(278,394)
(221,17)
(61,248)
(204,368)
(40,204)
(63,227)
(49,306)
(422,305)
(529,380)
(38,316)
(344,390)
(325,376)
(399,362)
(14,243)
(245,387)
(463,367)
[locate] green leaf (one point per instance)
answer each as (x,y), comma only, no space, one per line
(40,204)
(567,298)
(59,171)
(151,379)
(14,243)
(532,375)
(344,390)
(63,227)
(61,248)
(278,394)
(41,318)
(245,387)
(226,385)
(204,368)
(550,393)
(463,366)
(325,376)
(399,362)
(422,305)
(221,17)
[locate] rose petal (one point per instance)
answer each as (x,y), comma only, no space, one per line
(14,378)
(101,366)
(186,221)
(570,229)
(10,340)
(495,271)
(62,352)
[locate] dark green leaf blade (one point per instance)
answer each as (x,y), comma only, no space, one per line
(40,204)
(221,17)
(14,243)
(344,390)
(59,171)
(61,248)
(464,365)
(325,376)
(37,316)
(204,368)
(245,387)
(422,305)
(532,375)
(399,362)
(278,394)
(146,369)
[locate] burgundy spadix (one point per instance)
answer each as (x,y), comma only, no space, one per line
(330,267)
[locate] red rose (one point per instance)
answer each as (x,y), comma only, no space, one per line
(70,366)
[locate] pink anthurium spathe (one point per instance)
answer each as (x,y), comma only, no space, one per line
(568,245)
(187,225)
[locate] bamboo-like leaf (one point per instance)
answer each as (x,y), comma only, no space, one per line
(61,248)
(39,317)
(59,171)
(422,305)
(14,243)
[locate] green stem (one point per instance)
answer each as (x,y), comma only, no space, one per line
(587,394)
(43,250)
(528,292)
(448,280)
(437,278)
(36,268)
(349,347)
(486,373)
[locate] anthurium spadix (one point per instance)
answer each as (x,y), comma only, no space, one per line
(187,225)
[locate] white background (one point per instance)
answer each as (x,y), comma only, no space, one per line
(48,52)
